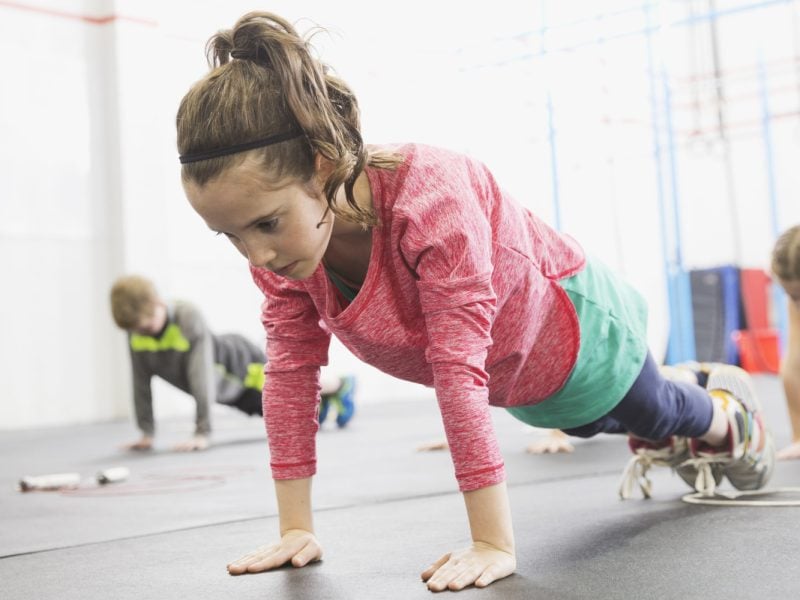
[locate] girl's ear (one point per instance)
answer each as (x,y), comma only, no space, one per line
(323,167)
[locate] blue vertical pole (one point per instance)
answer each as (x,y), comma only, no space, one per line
(551,131)
(551,136)
(681,332)
(685,342)
(778,296)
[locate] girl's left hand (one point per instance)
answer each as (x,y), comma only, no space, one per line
(480,564)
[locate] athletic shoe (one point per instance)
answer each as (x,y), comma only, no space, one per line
(681,372)
(748,457)
(696,373)
(690,371)
(671,452)
(324,406)
(343,399)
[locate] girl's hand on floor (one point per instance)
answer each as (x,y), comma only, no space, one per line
(198,442)
(791,452)
(480,564)
(140,445)
(298,546)
(433,446)
(556,441)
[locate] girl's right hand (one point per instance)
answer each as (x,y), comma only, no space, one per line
(296,545)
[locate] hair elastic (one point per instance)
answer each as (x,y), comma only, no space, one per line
(236,148)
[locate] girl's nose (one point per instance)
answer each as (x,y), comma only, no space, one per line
(260,256)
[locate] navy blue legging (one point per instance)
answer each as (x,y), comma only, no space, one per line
(654,409)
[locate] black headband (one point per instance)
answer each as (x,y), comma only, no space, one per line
(236,148)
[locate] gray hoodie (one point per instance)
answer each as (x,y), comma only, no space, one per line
(211,368)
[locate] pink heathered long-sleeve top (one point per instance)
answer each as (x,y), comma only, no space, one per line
(460,294)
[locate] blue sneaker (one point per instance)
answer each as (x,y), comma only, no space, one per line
(324,406)
(343,399)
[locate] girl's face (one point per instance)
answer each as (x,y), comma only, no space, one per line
(272,227)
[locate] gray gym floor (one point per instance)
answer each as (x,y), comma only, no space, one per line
(383,512)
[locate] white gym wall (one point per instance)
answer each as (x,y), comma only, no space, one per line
(603,117)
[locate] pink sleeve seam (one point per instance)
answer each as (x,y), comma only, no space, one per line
(480,471)
(291,465)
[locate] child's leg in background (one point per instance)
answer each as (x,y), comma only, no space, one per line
(337,392)
(249,401)
(329,383)
(240,376)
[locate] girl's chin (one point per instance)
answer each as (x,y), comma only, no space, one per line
(298,271)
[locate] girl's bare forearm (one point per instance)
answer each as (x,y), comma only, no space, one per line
(294,504)
(490,516)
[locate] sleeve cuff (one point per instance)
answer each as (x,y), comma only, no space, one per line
(481,479)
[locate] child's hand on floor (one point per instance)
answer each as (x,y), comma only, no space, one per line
(555,442)
(433,446)
(480,564)
(296,545)
(142,444)
(791,452)
(198,442)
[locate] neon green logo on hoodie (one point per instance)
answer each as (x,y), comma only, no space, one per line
(172,339)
